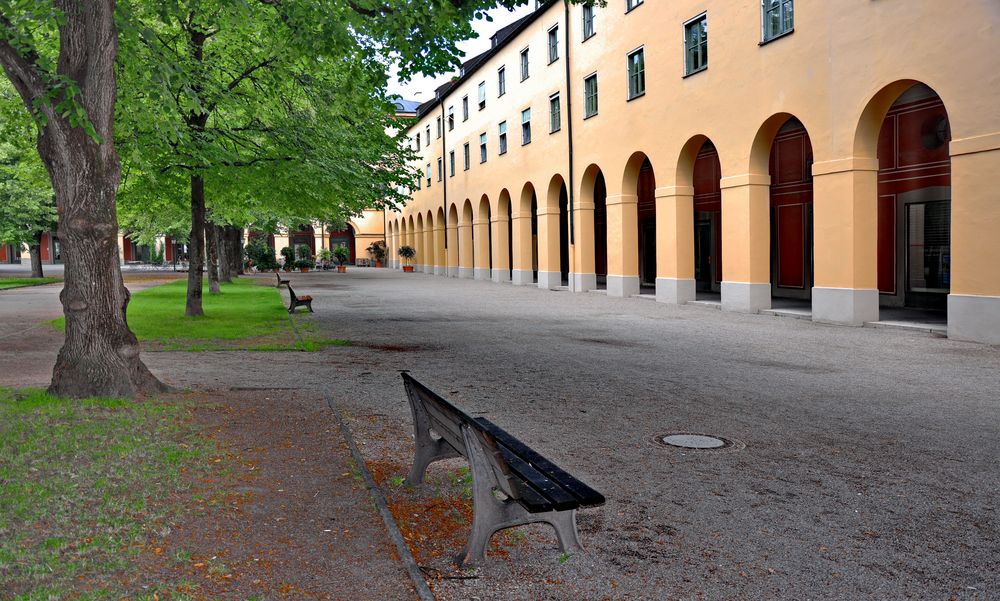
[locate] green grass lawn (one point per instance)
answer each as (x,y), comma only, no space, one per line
(245,316)
(8,283)
(84,486)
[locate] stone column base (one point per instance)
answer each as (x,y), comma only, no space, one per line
(674,291)
(547,280)
(974,318)
(623,286)
(466,273)
(744,297)
(523,277)
(428,269)
(440,270)
(500,275)
(846,306)
(453,271)
(582,282)
(482,273)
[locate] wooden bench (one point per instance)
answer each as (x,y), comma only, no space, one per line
(298,301)
(533,488)
(280,281)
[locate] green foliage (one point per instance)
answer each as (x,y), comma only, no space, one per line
(342,254)
(8,283)
(288,254)
(377,250)
(324,255)
(407,252)
(262,255)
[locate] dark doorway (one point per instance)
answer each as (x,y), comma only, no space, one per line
(791,198)
(646,192)
(708,221)
(534,238)
(510,241)
(346,238)
(601,231)
(564,235)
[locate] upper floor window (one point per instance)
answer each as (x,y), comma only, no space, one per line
(501,81)
(554,44)
(778,18)
(451,162)
(439,128)
(696,44)
(482,95)
(503,137)
(418,140)
(590,96)
(466,149)
(588,21)
(465,108)
(524,65)
(440,169)
(636,74)
(428,134)
(526,127)
(428,175)
(482,147)
(451,118)
(555,114)
(630,4)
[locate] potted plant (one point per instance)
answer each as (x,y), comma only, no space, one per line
(407,253)
(304,259)
(377,251)
(288,254)
(342,254)
(324,256)
(261,256)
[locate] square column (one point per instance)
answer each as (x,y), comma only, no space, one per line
(974,301)
(429,251)
(623,245)
(452,250)
(501,259)
(481,242)
(583,276)
(675,245)
(465,267)
(549,274)
(845,216)
(440,261)
(523,272)
(746,243)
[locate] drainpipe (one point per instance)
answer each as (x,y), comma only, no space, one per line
(569,130)
(444,177)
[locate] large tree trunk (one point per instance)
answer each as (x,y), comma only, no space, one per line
(222,248)
(234,235)
(35,251)
(196,250)
(212,250)
(100,355)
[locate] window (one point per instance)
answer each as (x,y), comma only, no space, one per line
(554,44)
(428,175)
(590,96)
(636,74)
(439,128)
(630,4)
(525,127)
(482,147)
(524,64)
(555,118)
(588,22)
(465,108)
(503,137)
(451,162)
(501,81)
(696,45)
(418,140)
(482,95)
(440,169)
(451,117)
(778,18)
(428,135)
(466,148)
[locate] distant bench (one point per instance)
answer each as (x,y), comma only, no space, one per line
(535,489)
(280,281)
(298,301)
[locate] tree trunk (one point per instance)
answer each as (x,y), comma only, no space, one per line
(212,253)
(100,355)
(235,237)
(196,249)
(222,248)
(35,250)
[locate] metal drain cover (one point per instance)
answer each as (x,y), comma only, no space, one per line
(693,441)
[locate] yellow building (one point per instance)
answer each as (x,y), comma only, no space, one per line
(838,155)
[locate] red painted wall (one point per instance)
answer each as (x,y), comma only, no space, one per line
(791,196)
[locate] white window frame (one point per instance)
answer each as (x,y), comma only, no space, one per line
(552,43)
(526,126)
(588,19)
(468,158)
(502,138)
(586,114)
(483,155)
(631,5)
(465,107)
(764,11)
(451,162)
(635,93)
(687,24)
(501,81)
(525,64)
(451,117)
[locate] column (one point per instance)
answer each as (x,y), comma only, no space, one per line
(452,250)
(523,272)
(974,299)
(501,258)
(440,260)
(482,248)
(549,274)
(845,215)
(746,243)
(466,269)
(584,274)
(623,245)
(430,251)
(675,244)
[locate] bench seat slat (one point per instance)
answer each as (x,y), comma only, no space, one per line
(529,477)
(585,495)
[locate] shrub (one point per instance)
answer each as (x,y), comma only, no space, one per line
(342,254)
(262,255)
(407,252)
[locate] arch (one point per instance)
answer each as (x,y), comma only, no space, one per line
(502,247)
(639,180)
(553,228)
(304,235)
(451,234)
(699,171)
(594,192)
(870,121)
(345,237)
(440,243)
(524,237)
(466,256)
(482,239)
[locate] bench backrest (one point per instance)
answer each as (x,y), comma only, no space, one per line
(291,292)
(444,418)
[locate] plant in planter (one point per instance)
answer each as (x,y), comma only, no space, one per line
(303,258)
(324,256)
(407,253)
(261,256)
(288,254)
(377,251)
(342,254)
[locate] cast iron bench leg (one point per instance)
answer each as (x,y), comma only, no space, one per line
(428,450)
(490,515)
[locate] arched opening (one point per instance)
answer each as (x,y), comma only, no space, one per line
(564,235)
(482,240)
(534,237)
(305,236)
(594,190)
(453,241)
(466,242)
(706,180)
(646,210)
(504,240)
(914,206)
(344,237)
(440,251)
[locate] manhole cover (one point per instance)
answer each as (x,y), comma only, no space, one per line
(693,441)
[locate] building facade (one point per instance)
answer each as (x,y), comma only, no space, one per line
(836,155)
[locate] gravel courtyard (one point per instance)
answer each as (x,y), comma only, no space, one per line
(870,461)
